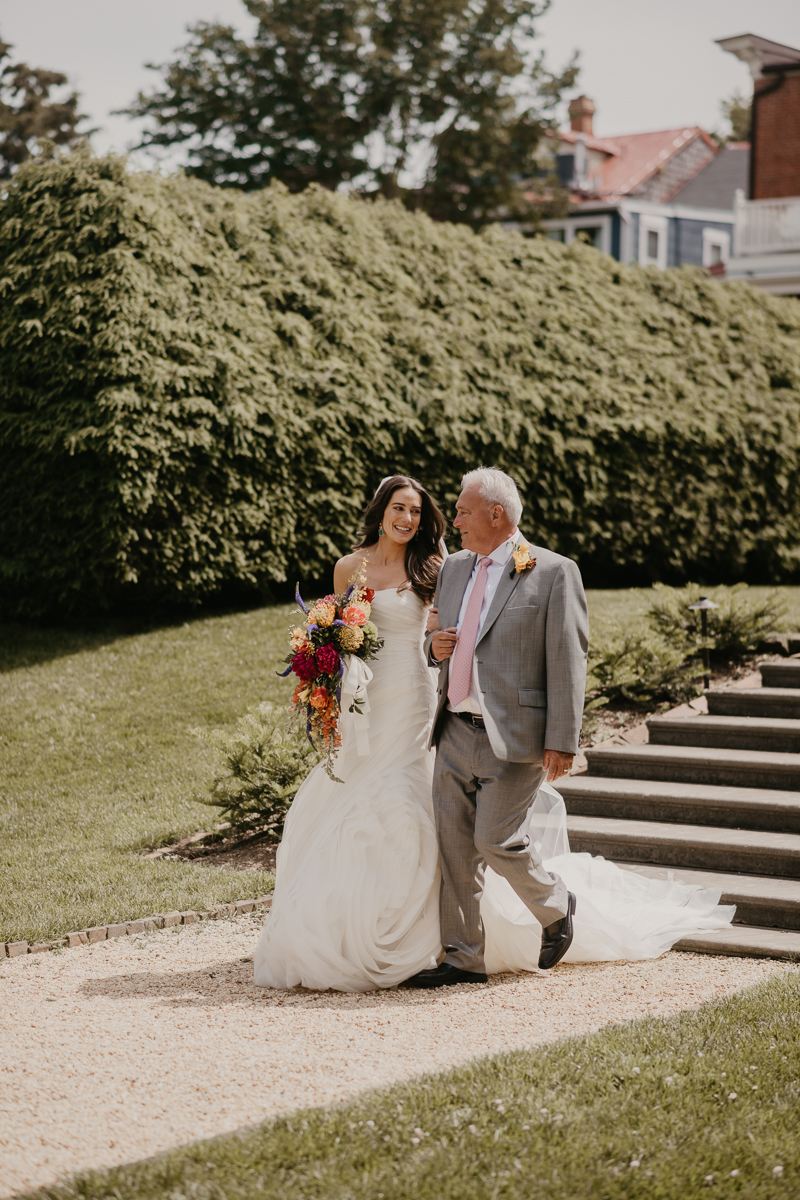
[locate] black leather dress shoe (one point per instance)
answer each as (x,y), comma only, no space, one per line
(557,938)
(443,976)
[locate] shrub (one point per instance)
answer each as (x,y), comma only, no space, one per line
(264,762)
(735,627)
(199,387)
(639,668)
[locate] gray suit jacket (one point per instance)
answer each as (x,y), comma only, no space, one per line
(531,654)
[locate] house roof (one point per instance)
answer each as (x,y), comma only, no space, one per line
(759,53)
(604,145)
(641,155)
(715,184)
(635,157)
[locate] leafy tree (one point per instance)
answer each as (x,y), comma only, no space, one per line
(27,113)
(737,109)
(361,91)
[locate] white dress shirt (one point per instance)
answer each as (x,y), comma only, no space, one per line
(494,572)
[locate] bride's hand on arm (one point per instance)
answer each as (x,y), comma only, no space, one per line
(433,621)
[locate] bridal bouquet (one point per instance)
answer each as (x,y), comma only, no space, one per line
(327,655)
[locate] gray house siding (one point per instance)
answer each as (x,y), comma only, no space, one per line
(689,240)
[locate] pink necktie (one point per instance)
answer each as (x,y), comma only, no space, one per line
(461,662)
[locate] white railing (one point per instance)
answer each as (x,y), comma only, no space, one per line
(766,226)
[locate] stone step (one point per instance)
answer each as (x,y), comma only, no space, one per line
(746,941)
(726,733)
(691,803)
(697,764)
(759,900)
(754,702)
(702,846)
(780,674)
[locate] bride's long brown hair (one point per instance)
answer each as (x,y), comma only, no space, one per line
(423,552)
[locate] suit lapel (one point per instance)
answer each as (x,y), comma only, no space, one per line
(453,591)
(505,589)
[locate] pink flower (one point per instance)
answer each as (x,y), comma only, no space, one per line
(304,665)
(319,697)
(328,660)
(354,615)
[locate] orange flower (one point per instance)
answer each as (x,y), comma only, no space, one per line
(354,615)
(319,697)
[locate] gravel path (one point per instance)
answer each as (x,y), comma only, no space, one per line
(113,1052)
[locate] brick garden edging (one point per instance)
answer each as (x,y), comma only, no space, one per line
(101,933)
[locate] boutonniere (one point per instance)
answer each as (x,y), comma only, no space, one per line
(523,559)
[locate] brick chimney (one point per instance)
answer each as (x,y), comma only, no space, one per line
(581,111)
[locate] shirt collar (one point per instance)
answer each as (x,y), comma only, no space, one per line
(502,553)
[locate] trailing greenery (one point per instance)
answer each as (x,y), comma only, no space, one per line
(663,1108)
(264,762)
(198,388)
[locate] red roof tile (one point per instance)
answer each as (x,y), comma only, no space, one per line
(634,157)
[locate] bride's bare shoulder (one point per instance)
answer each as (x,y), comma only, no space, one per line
(346,568)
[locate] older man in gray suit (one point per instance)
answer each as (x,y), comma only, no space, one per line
(511,654)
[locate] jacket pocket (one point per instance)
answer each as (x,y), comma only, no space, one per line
(532,697)
(530,610)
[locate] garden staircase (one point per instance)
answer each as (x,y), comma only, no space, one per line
(715,800)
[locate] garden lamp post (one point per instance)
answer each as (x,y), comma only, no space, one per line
(704,604)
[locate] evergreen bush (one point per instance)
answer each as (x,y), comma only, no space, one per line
(263,763)
(199,386)
(735,626)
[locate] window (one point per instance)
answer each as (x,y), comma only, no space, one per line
(653,241)
(592,234)
(596,231)
(716,247)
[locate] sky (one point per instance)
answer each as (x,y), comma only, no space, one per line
(646,65)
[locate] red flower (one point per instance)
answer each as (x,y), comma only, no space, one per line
(369,595)
(304,665)
(328,660)
(318,698)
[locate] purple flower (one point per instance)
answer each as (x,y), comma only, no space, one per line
(328,660)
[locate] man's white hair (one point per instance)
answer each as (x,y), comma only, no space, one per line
(496,488)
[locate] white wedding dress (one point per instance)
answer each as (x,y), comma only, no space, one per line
(356,904)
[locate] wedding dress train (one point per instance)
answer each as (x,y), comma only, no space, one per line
(356,903)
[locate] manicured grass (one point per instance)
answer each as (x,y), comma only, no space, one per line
(612,610)
(646,1110)
(99,759)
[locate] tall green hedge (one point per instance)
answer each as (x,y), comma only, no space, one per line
(199,387)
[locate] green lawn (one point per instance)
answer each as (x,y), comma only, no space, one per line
(648,1110)
(99,759)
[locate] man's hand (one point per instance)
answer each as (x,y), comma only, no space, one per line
(557,764)
(433,621)
(443,643)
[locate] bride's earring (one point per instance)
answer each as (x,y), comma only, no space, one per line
(381,531)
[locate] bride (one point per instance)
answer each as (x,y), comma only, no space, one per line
(356,904)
